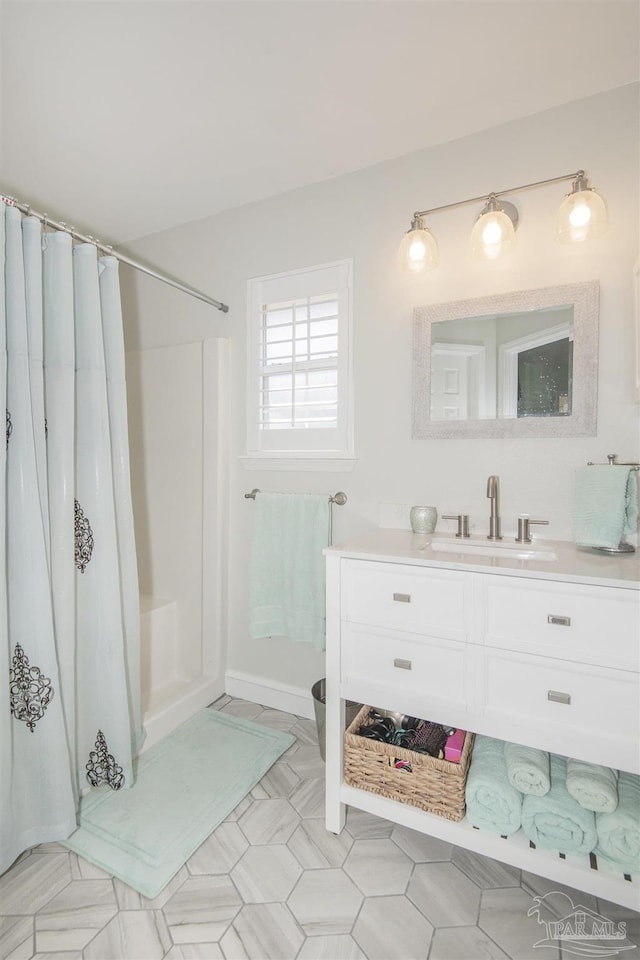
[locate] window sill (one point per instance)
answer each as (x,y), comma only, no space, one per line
(316,462)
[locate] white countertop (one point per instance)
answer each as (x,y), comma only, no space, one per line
(573,564)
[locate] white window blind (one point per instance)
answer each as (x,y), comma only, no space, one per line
(299,343)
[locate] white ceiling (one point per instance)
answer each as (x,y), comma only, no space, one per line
(125,118)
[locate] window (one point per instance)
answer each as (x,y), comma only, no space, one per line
(299,364)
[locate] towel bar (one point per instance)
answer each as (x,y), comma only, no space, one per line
(340,498)
(612,461)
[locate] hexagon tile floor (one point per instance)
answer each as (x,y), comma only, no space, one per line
(271,884)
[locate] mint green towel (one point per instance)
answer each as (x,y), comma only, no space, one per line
(527,768)
(619,832)
(287,579)
(594,787)
(605,506)
(492,803)
(557,821)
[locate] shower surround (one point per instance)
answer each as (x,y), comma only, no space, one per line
(176,401)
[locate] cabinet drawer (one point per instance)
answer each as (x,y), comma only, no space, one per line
(595,704)
(597,625)
(402,597)
(405,663)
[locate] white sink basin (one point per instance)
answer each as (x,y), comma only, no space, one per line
(507,551)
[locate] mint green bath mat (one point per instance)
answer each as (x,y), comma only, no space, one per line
(185,786)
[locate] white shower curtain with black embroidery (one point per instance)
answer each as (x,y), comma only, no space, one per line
(69,607)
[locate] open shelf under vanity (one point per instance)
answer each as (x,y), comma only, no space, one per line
(582,872)
(486,647)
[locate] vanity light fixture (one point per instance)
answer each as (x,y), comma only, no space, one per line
(494,232)
(582,216)
(418,251)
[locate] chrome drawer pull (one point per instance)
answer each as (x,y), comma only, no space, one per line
(402,664)
(402,597)
(558,697)
(559,621)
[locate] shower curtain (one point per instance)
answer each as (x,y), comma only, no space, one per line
(69,607)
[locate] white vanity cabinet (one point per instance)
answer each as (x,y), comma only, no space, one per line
(546,654)
(403,636)
(559,662)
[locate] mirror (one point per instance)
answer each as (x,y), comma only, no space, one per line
(521,364)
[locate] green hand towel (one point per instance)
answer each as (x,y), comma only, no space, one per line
(619,832)
(492,803)
(606,505)
(557,821)
(527,768)
(287,580)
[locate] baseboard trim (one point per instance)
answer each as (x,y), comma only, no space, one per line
(181,701)
(278,696)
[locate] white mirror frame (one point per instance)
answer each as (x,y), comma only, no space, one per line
(585,298)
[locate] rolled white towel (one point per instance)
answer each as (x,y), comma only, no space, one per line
(593,786)
(528,769)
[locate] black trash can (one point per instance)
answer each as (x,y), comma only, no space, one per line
(319,694)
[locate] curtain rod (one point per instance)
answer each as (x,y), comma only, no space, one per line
(105,248)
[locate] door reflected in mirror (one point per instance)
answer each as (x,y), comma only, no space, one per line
(510,365)
(503,365)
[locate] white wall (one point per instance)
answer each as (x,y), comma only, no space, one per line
(363,215)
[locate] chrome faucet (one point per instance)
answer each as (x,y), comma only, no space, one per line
(493,493)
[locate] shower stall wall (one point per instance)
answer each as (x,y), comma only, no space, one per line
(177,429)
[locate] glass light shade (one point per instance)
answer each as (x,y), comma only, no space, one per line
(582,216)
(418,251)
(493,236)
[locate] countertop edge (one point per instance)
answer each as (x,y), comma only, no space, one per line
(574,564)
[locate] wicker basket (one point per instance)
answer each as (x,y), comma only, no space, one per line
(437,786)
